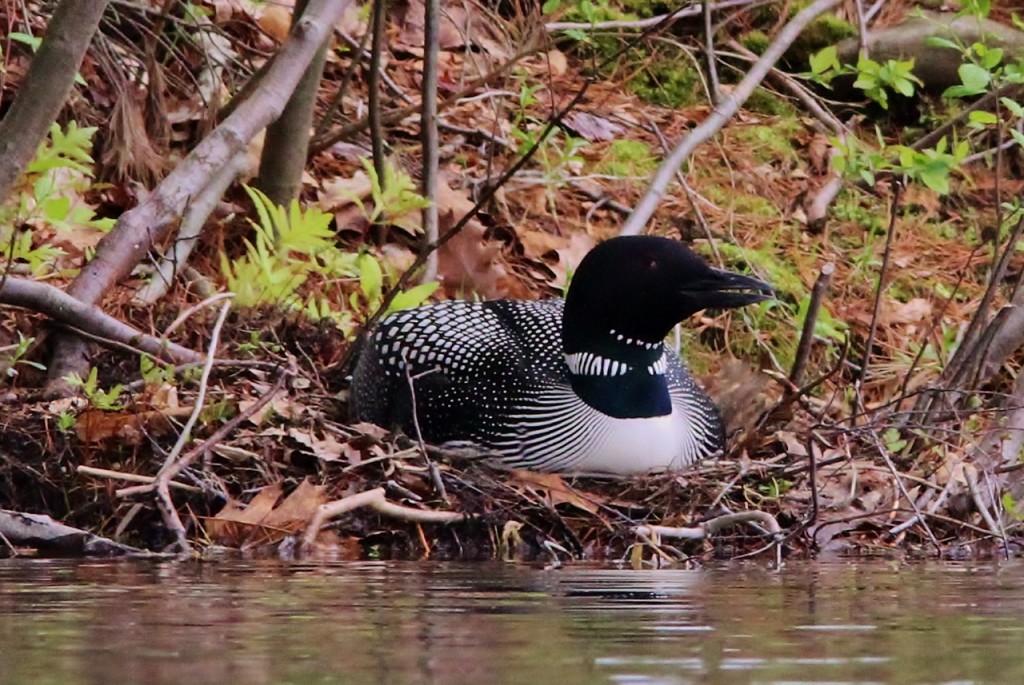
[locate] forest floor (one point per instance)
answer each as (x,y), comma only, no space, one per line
(844,466)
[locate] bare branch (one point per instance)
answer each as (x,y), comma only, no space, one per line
(728,107)
(61,307)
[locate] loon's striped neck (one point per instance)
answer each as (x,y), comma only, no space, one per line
(621,376)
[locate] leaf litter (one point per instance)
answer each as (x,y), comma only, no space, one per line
(876,488)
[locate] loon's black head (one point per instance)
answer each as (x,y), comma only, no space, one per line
(636,288)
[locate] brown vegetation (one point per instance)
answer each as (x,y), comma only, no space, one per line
(890,425)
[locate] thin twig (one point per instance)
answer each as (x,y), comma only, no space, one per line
(803,348)
(709,53)
(879,291)
(130,477)
(903,490)
(428,130)
(373,86)
(161,484)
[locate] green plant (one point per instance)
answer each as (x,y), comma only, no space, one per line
(104,400)
(50,196)
(65,422)
(875,79)
(12,355)
(371,283)
(291,245)
(393,199)
(155,372)
(284,252)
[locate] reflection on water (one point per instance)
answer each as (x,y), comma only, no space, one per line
(253,623)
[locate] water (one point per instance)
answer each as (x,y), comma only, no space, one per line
(261,622)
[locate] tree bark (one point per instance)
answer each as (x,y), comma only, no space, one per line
(286,146)
(46,87)
(157,216)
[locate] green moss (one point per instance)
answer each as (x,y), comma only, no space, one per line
(766,102)
(756,41)
(627,158)
(599,10)
(824,31)
(670,84)
(768,143)
(741,203)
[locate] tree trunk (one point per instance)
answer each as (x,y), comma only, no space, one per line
(46,87)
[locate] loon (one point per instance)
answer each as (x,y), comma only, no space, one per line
(585,385)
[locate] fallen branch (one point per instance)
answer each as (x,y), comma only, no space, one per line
(192,223)
(377,501)
(65,309)
(709,528)
(43,533)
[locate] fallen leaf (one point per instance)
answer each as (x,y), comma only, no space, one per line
(555,490)
(263,521)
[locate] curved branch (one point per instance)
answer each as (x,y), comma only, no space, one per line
(61,307)
(728,107)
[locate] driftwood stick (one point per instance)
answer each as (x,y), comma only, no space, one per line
(377,501)
(709,528)
(42,532)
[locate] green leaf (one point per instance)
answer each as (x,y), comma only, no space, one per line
(413,297)
(940,42)
(1013,106)
(936,178)
(32,41)
(825,60)
(982,118)
(550,6)
(56,209)
(371,278)
(974,78)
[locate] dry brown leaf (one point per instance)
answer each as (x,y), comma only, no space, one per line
(558,63)
(263,520)
(556,491)
(914,311)
(281,405)
(469,263)
(298,508)
(94,426)
(276,21)
(461,24)
(325,448)
(592,127)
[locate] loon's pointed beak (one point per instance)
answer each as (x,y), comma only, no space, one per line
(722,289)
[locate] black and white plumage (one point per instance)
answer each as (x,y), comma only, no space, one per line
(584,385)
